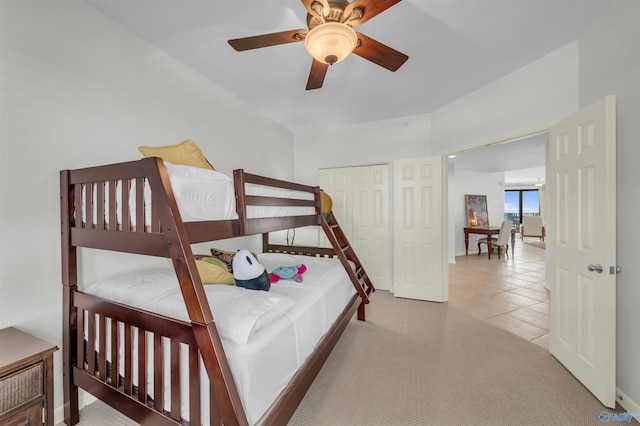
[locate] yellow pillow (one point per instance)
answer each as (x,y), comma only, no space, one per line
(186,153)
(213,271)
(326,203)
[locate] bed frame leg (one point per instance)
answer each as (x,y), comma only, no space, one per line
(71,411)
(70,390)
(361,311)
(69,312)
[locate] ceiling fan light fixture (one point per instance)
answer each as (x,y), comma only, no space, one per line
(331,42)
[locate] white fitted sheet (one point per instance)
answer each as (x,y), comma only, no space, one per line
(264,364)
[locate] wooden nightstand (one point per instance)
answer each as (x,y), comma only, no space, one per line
(26,379)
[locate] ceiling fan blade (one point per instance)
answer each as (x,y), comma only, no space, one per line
(370,9)
(316,75)
(379,54)
(266,40)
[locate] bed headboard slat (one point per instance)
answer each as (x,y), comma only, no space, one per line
(142,366)
(194,386)
(140,225)
(175,380)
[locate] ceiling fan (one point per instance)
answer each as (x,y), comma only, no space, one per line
(330,37)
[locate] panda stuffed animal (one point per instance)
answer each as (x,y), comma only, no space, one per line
(249,273)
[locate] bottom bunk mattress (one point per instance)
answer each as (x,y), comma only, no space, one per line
(267,336)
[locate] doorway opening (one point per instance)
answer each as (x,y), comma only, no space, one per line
(509,293)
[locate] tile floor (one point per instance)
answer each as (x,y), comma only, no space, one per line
(508,293)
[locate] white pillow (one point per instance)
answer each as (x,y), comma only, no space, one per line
(238,312)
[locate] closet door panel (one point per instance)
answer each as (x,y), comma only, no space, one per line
(361,206)
(361,219)
(343,200)
(337,184)
(380,266)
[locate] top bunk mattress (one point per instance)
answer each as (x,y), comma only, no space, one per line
(202,195)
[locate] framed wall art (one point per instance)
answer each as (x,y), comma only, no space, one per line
(477,213)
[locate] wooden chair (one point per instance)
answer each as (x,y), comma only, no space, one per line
(532,226)
(502,242)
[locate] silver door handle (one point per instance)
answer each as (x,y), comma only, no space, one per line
(597,268)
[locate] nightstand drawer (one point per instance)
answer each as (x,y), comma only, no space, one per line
(32,416)
(21,387)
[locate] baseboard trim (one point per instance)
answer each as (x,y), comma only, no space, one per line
(628,404)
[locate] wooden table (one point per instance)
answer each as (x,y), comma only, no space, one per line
(488,231)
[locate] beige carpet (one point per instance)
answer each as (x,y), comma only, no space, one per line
(421,363)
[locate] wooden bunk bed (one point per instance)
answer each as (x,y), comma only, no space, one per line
(89,218)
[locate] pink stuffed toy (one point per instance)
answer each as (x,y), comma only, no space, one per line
(288,273)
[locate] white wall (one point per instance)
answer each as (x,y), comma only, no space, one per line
(379,142)
(542,92)
(79,90)
(610,64)
(489,184)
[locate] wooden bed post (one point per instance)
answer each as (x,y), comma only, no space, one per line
(69,313)
(241,205)
(227,398)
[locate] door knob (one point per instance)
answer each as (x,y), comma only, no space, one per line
(597,268)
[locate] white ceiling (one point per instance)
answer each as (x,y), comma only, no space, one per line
(523,160)
(454,47)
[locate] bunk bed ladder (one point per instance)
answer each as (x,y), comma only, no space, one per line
(346,254)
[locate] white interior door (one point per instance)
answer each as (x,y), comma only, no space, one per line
(419,244)
(582,238)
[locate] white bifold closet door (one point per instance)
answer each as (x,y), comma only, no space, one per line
(361,206)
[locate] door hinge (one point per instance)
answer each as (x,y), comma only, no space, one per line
(44,415)
(614,270)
